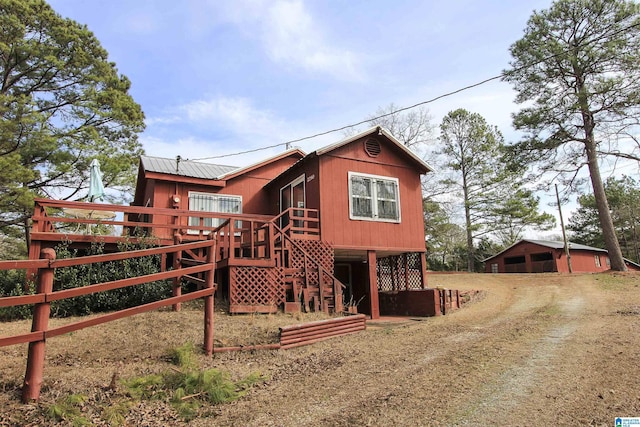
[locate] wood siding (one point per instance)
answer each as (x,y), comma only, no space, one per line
(337,227)
(582,261)
(250,186)
(327,189)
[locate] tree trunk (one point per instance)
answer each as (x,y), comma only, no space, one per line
(604,213)
(467,217)
(27,232)
(606,223)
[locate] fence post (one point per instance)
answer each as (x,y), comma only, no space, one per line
(35,361)
(177,264)
(208,300)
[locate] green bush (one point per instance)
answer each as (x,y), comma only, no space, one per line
(89,274)
(12,283)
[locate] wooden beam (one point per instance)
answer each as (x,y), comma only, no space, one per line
(373,285)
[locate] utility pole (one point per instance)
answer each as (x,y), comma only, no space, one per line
(564,233)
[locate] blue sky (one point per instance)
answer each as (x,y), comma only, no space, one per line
(216,77)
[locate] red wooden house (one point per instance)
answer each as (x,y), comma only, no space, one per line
(341,224)
(541,256)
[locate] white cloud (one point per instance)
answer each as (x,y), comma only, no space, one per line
(292,37)
(222,125)
(215,126)
(233,114)
(142,22)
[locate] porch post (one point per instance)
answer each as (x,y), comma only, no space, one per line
(373,285)
(423,269)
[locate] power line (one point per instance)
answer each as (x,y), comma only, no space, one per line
(358,123)
(429,101)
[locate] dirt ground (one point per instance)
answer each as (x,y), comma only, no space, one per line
(543,349)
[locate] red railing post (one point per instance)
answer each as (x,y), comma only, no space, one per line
(177,264)
(35,361)
(208,300)
(271,245)
(252,242)
(232,239)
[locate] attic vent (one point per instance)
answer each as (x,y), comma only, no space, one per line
(372,147)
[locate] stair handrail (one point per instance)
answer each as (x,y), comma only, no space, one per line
(321,270)
(289,211)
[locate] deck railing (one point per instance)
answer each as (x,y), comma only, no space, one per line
(58,216)
(54,219)
(45,295)
(300,223)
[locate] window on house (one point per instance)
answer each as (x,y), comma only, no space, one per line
(207,202)
(494,268)
(375,198)
(597,258)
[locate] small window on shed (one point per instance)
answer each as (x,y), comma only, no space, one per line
(608,261)
(597,259)
(494,267)
(372,147)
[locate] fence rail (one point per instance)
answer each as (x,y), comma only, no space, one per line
(45,295)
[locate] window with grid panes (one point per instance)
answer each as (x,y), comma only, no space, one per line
(207,202)
(374,198)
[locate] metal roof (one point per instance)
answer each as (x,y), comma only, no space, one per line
(185,167)
(549,244)
(560,245)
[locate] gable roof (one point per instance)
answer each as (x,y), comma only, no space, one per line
(553,244)
(201,170)
(379,130)
(187,168)
(295,152)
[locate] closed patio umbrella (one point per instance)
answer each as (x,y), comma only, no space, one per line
(96,191)
(96,188)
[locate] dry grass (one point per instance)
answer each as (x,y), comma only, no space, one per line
(86,361)
(557,349)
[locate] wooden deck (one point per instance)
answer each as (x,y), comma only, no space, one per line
(262,263)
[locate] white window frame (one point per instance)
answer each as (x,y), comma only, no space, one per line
(298,180)
(597,259)
(214,221)
(374,197)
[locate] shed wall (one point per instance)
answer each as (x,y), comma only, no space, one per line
(582,261)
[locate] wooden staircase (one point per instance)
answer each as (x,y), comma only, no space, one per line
(264,267)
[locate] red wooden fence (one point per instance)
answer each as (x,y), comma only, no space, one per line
(44,295)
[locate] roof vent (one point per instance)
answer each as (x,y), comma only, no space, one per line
(372,147)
